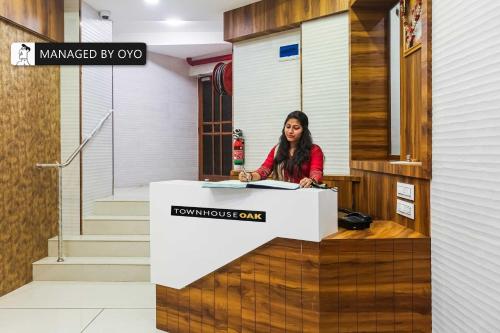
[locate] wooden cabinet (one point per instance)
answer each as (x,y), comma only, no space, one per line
(44,17)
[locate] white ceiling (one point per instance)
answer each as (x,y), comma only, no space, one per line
(137,21)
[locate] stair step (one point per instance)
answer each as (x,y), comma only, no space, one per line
(105,269)
(116,225)
(121,207)
(102,246)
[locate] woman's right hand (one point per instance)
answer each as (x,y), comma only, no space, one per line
(243,176)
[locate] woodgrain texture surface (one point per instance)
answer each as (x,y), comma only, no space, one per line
(44,17)
(337,285)
(369,84)
(269,16)
(416,96)
(378,230)
(376,196)
(370,94)
(29,133)
(376,193)
(386,167)
(344,184)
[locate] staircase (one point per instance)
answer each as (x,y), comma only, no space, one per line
(114,246)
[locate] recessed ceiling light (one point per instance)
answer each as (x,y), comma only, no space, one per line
(151,2)
(174,21)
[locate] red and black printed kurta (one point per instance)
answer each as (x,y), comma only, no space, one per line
(312,169)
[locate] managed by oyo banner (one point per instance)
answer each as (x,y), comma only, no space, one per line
(34,54)
(219,213)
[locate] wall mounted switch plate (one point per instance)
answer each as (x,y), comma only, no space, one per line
(406,209)
(405,191)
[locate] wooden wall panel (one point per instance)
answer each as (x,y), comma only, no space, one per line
(277,280)
(329,287)
(384,285)
(172,309)
(310,287)
(161,307)
(269,16)
(345,185)
(414,171)
(183,307)
(262,301)
(195,308)
(234,297)
(421,286)
(403,285)
(416,95)
(30,128)
(221,302)
(348,312)
(44,17)
(376,195)
(247,295)
(369,85)
(366,285)
(425,116)
(207,305)
(337,285)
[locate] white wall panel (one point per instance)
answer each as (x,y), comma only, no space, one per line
(325,84)
(70,130)
(465,197)
(156,122)
(265,91)
(97,85)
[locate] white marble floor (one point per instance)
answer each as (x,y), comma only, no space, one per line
(79,307)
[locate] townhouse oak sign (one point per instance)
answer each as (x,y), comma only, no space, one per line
(31,54)
(219,213)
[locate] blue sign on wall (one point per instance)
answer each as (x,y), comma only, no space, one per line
(289,51)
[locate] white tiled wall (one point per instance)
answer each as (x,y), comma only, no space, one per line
(325,88)
(465,197)
(97,173)
(70,130)
(156,119)
(266,90)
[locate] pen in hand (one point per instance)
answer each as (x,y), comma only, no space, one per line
(247,176)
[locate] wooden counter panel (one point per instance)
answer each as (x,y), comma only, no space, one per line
(361,284)
(378,230)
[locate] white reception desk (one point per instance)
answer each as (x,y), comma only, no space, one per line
(195,230)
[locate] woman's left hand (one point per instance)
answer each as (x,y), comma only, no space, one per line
(306,182)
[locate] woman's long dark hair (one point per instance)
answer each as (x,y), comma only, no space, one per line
(293,166)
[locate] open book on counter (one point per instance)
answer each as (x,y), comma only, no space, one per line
(270,184)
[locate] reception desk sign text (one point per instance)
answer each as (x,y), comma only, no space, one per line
(219,213)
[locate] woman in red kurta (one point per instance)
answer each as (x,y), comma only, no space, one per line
(295,159)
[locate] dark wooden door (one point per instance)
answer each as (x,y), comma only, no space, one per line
(214,132)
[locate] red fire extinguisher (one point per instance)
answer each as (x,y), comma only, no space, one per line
(238,147)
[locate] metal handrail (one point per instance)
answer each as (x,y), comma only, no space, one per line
(61,166)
